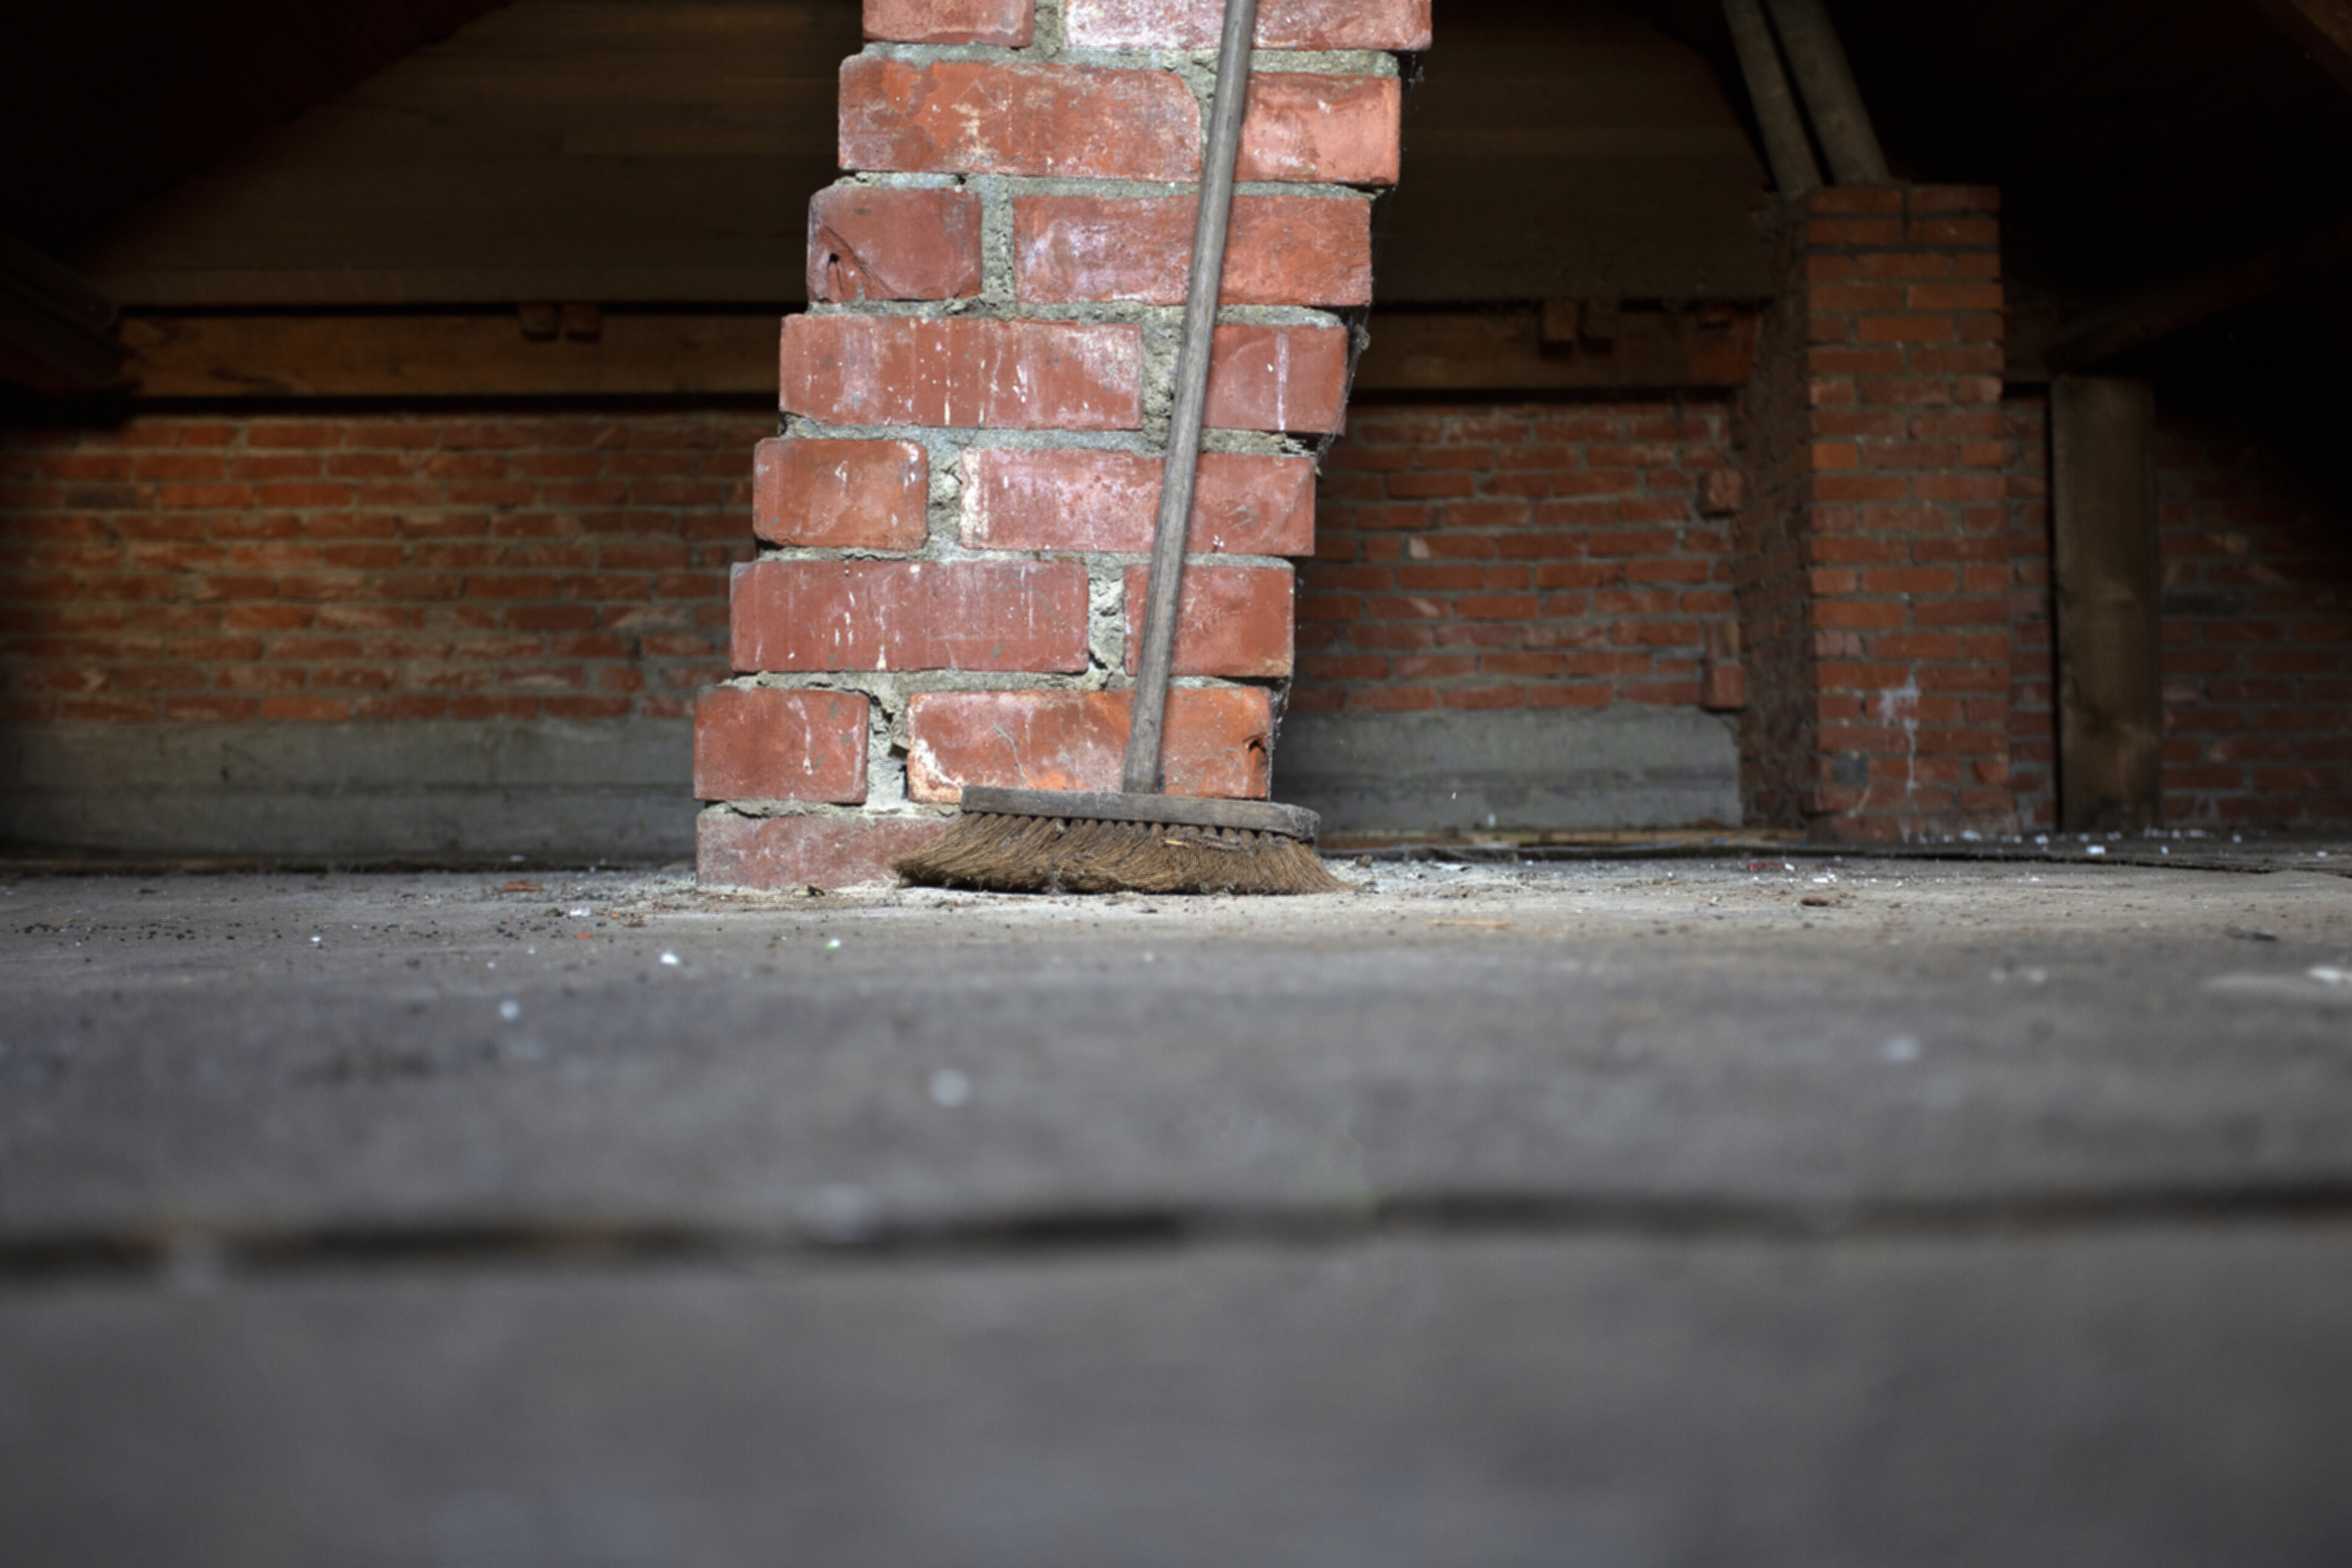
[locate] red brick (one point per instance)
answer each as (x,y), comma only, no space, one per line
(1907,329)
(1216,742)
(1980,199)
(1005,22)
(1343,129)
(1955,231)
(1230,620)
(1284,250)
(841,495)
(908,614)
(1953,297)
(996,117)
(1281,24)
(1855,231)
(870,242)
(765,744)
(1855,199)
(1070,499)
(1278,378)
(778,852)
(1000,375)
(1721,493)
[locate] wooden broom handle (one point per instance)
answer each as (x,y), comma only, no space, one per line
(1191,396)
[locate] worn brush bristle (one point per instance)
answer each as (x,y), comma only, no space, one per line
(1008,854)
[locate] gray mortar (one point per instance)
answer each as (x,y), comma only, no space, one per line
(1084,311)
(1085,186)
(1048,29)
(1182,62)
(996,250)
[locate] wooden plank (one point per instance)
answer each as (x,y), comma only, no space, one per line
(2103,563)
(470,355)
(1509,350)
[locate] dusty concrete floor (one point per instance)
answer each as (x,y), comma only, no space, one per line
(1742,1212)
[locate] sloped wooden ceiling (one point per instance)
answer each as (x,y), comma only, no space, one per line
(663,151)
(1563,149)
(2130,139)
(107,103)
(660,153)
(593,150)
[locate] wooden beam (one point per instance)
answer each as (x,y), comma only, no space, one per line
(2178,303)
(2322,29)
(1832,99)
(494,355)
(1514,352)
(2104,563)
(1776,115)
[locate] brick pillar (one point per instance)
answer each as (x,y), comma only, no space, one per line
(953,521)
(1872,550)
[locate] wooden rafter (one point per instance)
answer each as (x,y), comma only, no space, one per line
(2323,28)
(2178,303)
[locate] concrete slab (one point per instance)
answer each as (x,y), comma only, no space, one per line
(304,1052)
(1626,766)
(1758,1212)
(438,790)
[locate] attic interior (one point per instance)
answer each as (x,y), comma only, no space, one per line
(1794,552)
(467,224)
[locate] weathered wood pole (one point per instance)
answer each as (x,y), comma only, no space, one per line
(1819,63)
(1776,115)
(2103,560)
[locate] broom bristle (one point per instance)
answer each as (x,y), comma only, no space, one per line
(1008,854)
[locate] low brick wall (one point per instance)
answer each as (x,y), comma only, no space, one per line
(2256,544)
(1527,555)
(220,569)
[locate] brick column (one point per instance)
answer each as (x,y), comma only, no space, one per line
(1872,550)
(953,520)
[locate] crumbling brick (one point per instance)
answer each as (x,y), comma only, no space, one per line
(840,495)
(1217,742)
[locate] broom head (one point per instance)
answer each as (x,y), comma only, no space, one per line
(1057,841)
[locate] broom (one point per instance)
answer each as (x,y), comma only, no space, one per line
(1138,839)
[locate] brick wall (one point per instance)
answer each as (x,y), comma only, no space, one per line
(217,568)
(952,521)
(1521,556)
(2256,545)
(1874,555)
(2255,542)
